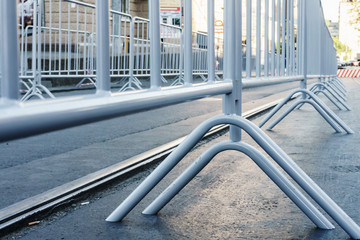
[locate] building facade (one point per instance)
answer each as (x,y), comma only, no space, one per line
(348,33)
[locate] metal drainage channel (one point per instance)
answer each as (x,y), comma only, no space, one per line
(16,215)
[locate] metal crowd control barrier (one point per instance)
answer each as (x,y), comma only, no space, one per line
(318,61)
(60,43)
(25,119)
(30,23)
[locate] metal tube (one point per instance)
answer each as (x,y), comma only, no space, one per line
(317,100)
(258,39)
(297,103)
(270,147)
(248,38)
(132,48)
(306,183)
(188,63)
(238,41)
(211,41)
(31,119)
(303,83)
(268,167)
(273,63)
(328,97)
(155,177)
(231,102)
(266,50)
(155,49)
(292,39)
(102,48)
(287,41)
(283,30)
(278,36)
(229,40)
(37,22)
(9,49)
(299,38)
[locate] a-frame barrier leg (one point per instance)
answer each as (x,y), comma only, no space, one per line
(340,83)
(318,88)
(316,92)
(317,108)
(313,97)
(337,88)
(271,171)
(334,94)
(271,148)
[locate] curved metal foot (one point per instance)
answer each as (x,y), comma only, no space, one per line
(91,82)
(334,94)
(317,108)
(317,100)
(267,166)
(129,85)
(178,81)
(338,87)
(266,143)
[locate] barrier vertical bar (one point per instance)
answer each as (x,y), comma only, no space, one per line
(188,63)
(303,83)
(211,41)
(238,42)
(283,29)
(229,43)
(33,44)
(258,39)
(266,50)
(155,58)
(60,34)
(132,49)
(232,34)
(293,38)
(102,47)
(248,38)
(37,21)
(278,36)
(9,48)
(273,63)
(235,132)
(299,39)
(287,41)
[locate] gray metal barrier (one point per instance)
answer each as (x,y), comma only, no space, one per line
(60,42)
(316,59)
(26,119)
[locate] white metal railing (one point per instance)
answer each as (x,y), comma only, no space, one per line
(60,42)
(314,55)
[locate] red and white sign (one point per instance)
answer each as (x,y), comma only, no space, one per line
(169,8)
(219,26)
(350,73)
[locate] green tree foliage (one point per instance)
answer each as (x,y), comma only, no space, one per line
(355,12)
(340,47)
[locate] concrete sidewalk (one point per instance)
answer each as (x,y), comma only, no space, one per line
(231,198)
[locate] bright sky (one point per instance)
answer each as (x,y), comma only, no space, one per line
(331,9)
